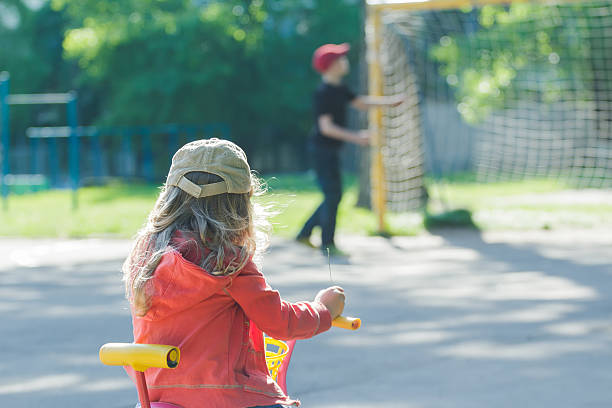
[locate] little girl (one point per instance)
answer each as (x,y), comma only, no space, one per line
(192,283)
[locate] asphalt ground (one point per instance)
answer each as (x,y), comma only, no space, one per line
(450,319)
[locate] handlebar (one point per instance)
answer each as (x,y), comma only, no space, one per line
(140,356)
(349,323)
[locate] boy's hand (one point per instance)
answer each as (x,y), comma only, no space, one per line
(363,138)
(397,100)
(333,299)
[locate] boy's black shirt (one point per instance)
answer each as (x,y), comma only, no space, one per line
(333,100)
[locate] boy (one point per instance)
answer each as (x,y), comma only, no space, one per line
(330,133)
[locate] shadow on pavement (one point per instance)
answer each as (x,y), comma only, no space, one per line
(456,319)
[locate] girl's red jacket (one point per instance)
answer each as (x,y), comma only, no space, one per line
(217,322)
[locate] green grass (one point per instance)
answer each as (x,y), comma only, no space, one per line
(112,210)
(296,197)
(119,210)
(523,205)
(465,190)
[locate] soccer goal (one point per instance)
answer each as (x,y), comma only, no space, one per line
(500,90)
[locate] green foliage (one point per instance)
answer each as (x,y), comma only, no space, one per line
(26,38)
(141,62)
(246,63)
(535,55)
(31,51)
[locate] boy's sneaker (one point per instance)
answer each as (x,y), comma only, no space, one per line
(305,241)
(334,251)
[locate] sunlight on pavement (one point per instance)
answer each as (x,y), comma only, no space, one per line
(518,351)
(49,382)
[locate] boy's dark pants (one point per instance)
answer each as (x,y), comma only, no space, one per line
(327,167)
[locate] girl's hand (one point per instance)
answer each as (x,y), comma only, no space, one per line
(333,299)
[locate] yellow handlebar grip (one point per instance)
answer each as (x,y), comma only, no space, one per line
(140,356)
(350,323)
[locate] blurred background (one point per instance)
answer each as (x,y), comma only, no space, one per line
(244,64)
(150,76)
(502,101)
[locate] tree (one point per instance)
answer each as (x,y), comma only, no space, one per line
(542,56)
(31,51)
(243,62)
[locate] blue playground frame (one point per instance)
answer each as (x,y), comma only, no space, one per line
(6,99)
(128,138)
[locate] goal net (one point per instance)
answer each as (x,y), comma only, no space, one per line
(497,91)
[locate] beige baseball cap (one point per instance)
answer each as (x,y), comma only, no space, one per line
(216,156)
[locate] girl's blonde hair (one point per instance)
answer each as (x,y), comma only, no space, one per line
(230,226)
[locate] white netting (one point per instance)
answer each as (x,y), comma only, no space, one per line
(498,92)
(403,151)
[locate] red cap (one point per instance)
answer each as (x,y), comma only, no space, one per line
(326,54)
